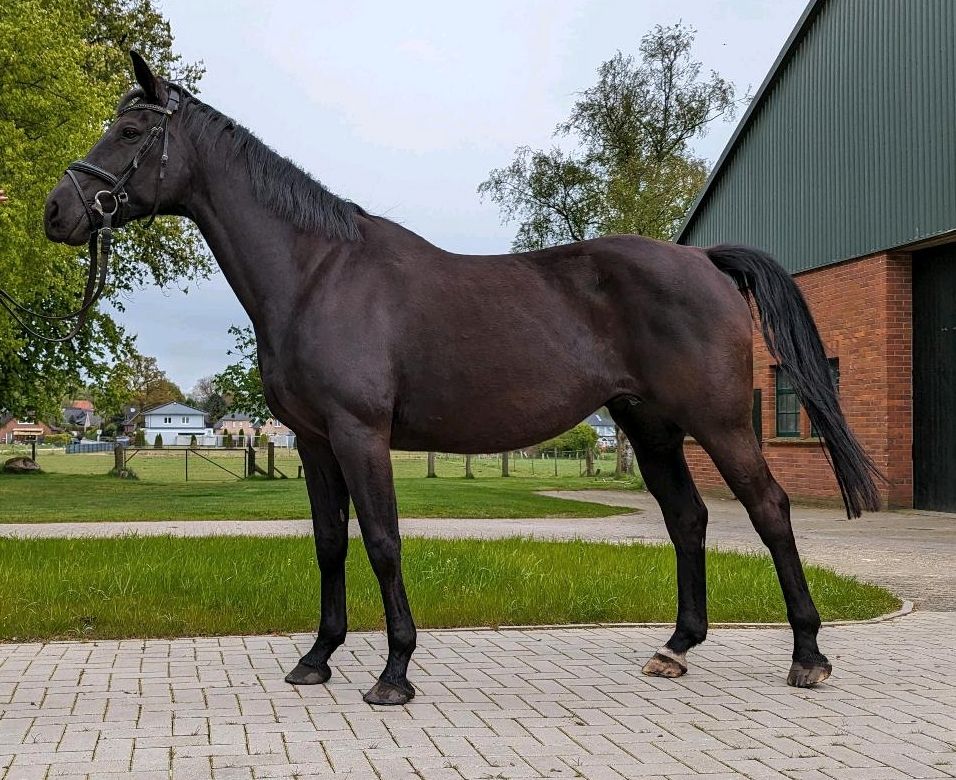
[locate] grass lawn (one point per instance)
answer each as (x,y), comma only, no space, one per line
(164,587)
(76,488)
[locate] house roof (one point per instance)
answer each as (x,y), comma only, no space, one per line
(802,25)
(80,403)
(599,419)
(232,417)
(173,407)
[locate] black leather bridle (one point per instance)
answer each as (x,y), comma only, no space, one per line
(101,226)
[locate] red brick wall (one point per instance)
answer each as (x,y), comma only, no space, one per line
(863,309)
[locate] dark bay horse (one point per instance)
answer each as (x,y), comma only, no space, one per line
(371,338)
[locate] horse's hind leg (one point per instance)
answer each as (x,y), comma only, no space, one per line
(737,456)
(329,498)
(658,446)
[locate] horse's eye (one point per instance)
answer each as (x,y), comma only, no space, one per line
(130,132)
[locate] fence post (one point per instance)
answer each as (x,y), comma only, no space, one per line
(119,458)
(250,461)
(468,472)
(271,460)
(431,466)
(555,461)
(589,462)
(505,470)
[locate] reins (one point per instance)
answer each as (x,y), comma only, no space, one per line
(101,235)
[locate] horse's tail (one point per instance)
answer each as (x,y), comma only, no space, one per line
(793,340)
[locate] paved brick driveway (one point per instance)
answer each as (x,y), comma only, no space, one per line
(512,704)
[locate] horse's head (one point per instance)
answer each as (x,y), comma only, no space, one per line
(137,169)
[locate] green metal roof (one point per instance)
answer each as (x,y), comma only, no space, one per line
(849,145)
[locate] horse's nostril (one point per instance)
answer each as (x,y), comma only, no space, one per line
(52,209)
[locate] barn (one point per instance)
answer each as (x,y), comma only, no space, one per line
(844,168)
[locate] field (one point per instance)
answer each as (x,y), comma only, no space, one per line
(163,587)
(77,488)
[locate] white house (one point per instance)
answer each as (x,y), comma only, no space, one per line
(176,423)
(604,426)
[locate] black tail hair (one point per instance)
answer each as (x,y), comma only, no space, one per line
(793,339)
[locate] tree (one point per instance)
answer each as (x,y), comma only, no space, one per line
(63,65)
(242,381)
(580,438)
(149,385)
(631,169)
(205,396)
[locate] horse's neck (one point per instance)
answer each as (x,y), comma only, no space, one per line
(254,248)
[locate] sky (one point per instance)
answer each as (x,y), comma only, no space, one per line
(404,108)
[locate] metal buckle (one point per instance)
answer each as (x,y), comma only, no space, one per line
(98,207)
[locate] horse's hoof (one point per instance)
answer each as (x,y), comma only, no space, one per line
(806,674)
(665,666)
(308,675)
(389,693)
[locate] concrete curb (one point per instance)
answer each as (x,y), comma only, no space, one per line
(905,609)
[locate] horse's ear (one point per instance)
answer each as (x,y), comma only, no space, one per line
(152,86)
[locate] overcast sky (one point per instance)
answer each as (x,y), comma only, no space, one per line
(405,107)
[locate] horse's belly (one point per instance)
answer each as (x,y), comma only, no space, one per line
(496,415)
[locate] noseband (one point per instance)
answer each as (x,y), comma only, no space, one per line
(101,227)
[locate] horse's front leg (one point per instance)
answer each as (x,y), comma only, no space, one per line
(366,463)
(329,498)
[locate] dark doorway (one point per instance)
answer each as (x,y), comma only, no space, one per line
(934,379)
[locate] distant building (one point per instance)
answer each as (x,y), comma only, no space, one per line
(130,420)
(14,429)
(80,414)
(175,423)
(273,427)
(603,425)
(233,423)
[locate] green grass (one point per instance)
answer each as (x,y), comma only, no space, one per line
(76,488)
(164,587)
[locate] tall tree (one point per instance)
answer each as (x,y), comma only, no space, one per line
(630,168)
(63,64)
(149,384)
(207,397)
(241,381)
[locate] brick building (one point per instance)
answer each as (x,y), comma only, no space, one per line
(844,168)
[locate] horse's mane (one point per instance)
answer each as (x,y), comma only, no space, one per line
(277,182)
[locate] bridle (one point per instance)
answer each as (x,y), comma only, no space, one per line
(101,227)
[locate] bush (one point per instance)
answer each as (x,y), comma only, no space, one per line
(139,438)
(263,441)
(580,438)
(57,439)
(158,442)
(227,440)
(192,440)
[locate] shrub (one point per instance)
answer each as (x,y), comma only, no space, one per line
(263,440)
(227,440)
(581,437)
(158,442)
(57,439)
(139,438)
(192,440)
